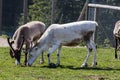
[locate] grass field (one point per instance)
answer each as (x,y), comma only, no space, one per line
(71,59)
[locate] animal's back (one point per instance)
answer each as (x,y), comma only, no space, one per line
(36,29)
(116,28)
(71,31)
(36,25)
(76,26)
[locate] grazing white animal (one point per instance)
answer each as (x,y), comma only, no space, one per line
(116,33)
(70,34)
(28,33)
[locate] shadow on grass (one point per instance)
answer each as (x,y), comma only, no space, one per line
(80,68)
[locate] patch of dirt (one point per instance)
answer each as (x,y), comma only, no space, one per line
(95,77)
(3,42)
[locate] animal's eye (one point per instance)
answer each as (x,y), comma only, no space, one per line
(36,48)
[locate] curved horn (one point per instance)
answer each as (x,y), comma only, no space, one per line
(22,43)
(11,48)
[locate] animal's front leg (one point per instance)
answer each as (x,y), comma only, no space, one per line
(42,59)
(94,49)
(54,47)
(26,52)
(85,64)
(116,41)
(25,62)
(17,62)
(58,55)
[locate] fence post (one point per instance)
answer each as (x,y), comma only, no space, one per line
(92,16)
(83,11)
(0,17)
(95,35)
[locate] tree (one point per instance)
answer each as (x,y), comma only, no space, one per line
(68,10)
(106,21)
(53,2)
(25,10)
(61,11)
(40,10)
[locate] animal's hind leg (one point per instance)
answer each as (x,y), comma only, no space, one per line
(116,41)
(94,49)
(26,52)
(25,62)
(85,64)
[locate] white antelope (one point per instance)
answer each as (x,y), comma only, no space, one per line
(70,34)
(28,33)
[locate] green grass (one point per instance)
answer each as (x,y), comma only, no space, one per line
(4,36)
(71,59)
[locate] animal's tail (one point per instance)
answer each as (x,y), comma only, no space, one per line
(96,24)
(95,31)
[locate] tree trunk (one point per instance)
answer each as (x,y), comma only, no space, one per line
(25,10)
(82,13)
(53,4)
(52,11)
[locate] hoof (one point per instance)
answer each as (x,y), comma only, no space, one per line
(17,62)
(94,64)
(57,64)
(25,63)
(52,65)
(41,62)
(116,58)
(84,65)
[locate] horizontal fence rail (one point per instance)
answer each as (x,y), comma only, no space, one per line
(104,6)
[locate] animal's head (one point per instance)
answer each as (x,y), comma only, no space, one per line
(15,53)
(34,52)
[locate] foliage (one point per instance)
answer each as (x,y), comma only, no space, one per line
(106,43)
(68,10)
(71,59)
(40,10)
(106,19)
(65,11)
(4,36)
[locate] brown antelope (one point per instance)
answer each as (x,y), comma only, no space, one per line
(116,33)
(26,34)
